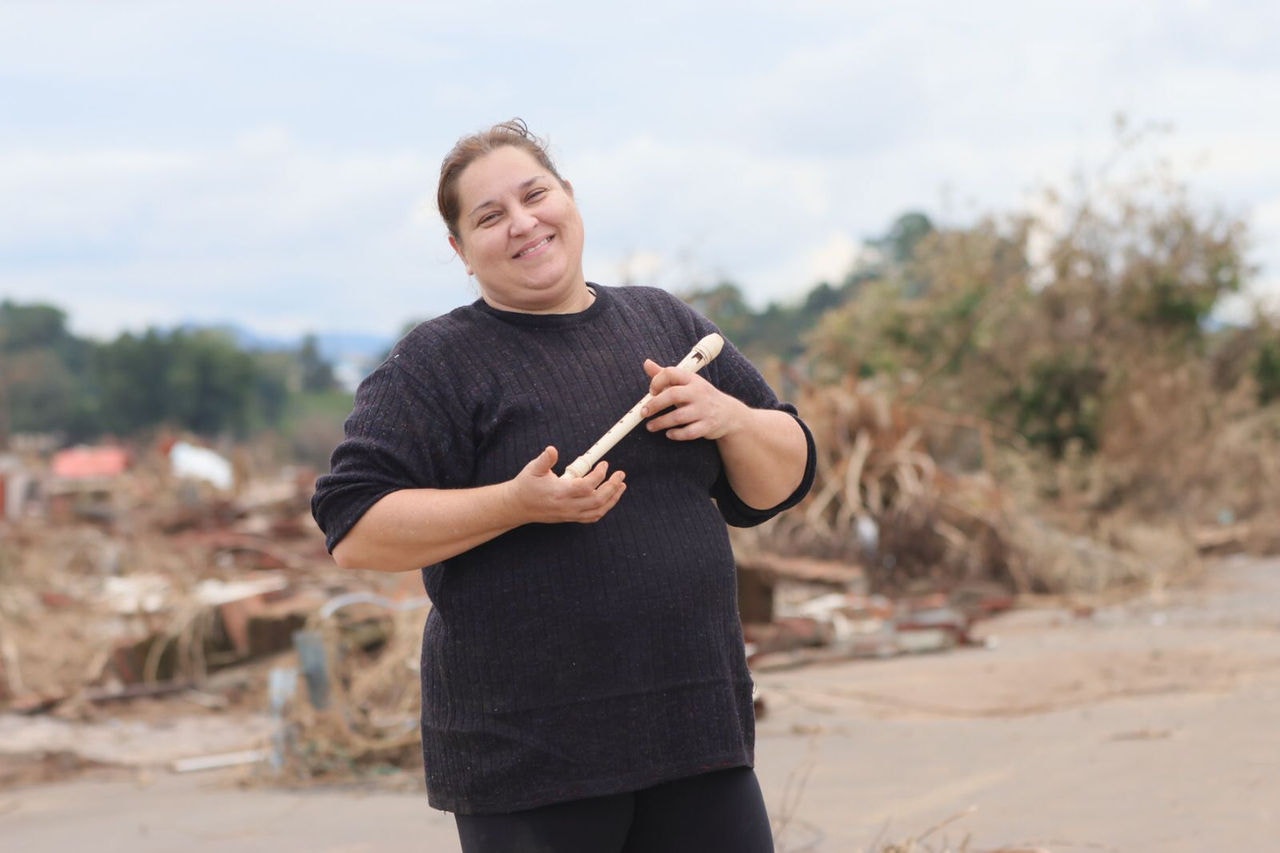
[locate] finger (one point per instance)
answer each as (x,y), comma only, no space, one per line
(602,492)
(670,408)
(596,475)
(615,495)
(607,493)
(669,418)
(688,432)
(671,396)
(610,493)
(674,425)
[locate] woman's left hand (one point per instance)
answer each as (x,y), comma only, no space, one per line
(764,450)
(697,408)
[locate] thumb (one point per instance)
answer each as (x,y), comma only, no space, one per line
(652,368)
(544,461)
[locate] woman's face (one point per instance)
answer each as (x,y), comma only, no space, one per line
(521,234)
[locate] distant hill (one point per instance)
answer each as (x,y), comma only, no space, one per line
(334,345)
(352,354)
(337,345)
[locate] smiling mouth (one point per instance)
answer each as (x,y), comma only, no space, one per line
(535,247)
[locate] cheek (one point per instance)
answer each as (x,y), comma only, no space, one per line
(480,251)
(571,223)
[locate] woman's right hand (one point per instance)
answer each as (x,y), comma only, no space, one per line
(410,528)
(538,494)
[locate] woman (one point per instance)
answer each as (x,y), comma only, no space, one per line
(584,682)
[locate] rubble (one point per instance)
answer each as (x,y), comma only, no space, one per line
(844,625)
(132,580)
(171,590)
(202,464)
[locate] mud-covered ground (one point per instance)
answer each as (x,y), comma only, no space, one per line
(1148,725)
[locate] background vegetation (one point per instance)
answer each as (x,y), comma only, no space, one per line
(199,381)
(1082,334)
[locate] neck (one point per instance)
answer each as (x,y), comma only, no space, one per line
(579,299)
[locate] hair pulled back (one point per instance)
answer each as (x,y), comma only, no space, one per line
(468,149)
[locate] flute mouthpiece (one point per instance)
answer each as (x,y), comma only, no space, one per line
(708,348)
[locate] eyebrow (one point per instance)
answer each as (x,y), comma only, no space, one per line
(523,185)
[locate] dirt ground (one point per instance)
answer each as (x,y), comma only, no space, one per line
(1147,725)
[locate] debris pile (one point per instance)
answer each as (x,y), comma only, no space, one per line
(148,584)
(131,579)
(176,573)
(923,501)
(842,625)
(358,657)
(882,501)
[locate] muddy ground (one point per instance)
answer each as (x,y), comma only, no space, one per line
(1142,725)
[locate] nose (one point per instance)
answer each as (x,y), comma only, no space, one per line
(523,221)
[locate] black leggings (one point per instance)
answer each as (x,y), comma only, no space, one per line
(716,811)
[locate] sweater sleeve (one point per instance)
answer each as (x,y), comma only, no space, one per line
(738,514)
(733,373)
(398,436)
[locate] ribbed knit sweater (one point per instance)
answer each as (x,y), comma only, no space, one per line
(563,661)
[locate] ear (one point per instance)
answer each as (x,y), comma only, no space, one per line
(568,187)
(457,249)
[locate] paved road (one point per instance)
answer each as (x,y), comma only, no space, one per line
(1144,727)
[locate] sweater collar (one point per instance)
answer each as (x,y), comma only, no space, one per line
(549,321)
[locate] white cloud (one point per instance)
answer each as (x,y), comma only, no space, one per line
(263,231)
(831,260)
(275,164)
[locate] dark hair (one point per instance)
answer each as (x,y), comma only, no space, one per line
(470,148)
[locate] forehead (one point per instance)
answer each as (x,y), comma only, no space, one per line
(501,170)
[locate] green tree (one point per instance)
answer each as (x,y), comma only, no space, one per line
(724,305)
(271,388)
(196,380)
(33,326)
(1266,370)
(936,324)
(131,379)
(904,235)
(211,383)
(41,369)
(40,392)
(317,373)
(199,380)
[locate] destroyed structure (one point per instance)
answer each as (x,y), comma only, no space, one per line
(173,572)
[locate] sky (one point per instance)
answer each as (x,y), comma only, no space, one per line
(273,163)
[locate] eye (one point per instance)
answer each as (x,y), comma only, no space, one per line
(489,218)
(536,194)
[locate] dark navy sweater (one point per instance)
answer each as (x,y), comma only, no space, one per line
(563,661)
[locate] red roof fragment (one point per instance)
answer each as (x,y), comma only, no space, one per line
(77,463)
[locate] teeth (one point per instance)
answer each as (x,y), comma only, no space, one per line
(544,241)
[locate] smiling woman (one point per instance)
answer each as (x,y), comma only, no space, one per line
(521,235)
(584,680)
